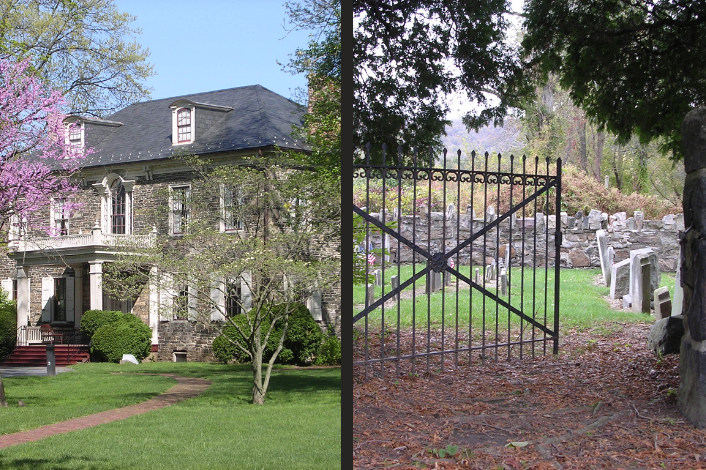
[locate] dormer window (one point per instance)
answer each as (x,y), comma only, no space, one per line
(184,125)
(74,133)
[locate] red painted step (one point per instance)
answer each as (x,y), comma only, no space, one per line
(36,355)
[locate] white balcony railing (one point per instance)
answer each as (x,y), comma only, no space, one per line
(95,238)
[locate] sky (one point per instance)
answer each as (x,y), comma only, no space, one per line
(198,46)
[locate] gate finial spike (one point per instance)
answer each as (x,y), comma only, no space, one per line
(458,159)
(445,152)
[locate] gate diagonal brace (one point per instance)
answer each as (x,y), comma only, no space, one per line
(391,232)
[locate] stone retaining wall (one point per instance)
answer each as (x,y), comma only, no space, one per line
(579,247)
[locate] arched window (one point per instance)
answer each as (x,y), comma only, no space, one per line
(118,213)
(184,125)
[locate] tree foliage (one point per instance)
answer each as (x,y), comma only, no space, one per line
(321,62)
(409,55)
(633,67)
(84,48)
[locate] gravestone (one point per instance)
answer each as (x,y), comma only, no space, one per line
(378,278)
(450,211)
(639,279)
(370,294)
(571,223)
(631,223)
(594,220)
(678,290)
(490,212)
(663,304)
(585,223)
(433,282)
(607,181)
(639,219)
(477,279)
(655,272)
(564,219)
(603,255)
(620,279)
(579,216)
(503,282)
(395,283)
(666,336)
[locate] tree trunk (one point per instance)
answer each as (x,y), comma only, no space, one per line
(598,161)
(618,168)
(582,144)
(3,400)
(258,392)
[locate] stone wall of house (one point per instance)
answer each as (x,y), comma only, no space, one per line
(579,247)
(193,337)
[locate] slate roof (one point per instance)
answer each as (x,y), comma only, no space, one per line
(260,118)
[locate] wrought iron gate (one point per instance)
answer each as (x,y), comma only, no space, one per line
(504,296)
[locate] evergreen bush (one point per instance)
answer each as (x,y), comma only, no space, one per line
(223,349)
(8,326)
(329,353)
(303,340)
(94,319)
(124,336)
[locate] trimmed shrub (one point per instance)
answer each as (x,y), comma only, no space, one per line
(94,319)
(303,340)
(8,326)
(125,336)
(223,349)
(329,353)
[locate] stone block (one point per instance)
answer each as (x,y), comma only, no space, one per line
(662,303)
(594,220)
(666,335)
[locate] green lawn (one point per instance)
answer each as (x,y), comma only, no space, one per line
(581,303)
(297,428)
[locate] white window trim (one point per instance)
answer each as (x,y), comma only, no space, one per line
(103,189)
(175,127)
(82,130)
(172,188)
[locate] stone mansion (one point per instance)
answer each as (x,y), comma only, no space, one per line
(55,276)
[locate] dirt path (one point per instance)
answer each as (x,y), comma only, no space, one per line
(186,387)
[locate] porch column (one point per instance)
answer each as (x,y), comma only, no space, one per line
(78,296)
(153,316)
(95,278)
(22,296)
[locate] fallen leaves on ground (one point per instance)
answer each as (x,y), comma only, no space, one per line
(605,401)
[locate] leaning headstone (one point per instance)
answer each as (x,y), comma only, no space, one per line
(640,281)
(639,219)
(655,271)
(620,279)
(666,335)
(603,255)
(663,304)
(678,290)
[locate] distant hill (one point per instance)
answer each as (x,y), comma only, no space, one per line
(505,140)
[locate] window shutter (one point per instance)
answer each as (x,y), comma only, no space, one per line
(47,295)
(166,298)
(7,287)
(70,298)
(218,297)
(313,303)
(245,294)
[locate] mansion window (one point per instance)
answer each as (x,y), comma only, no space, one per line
(181,304)
(184,125)
(60,217)
(232,299)
(181,209)
(59,299)
(232,203)
(118,212)
(75,134)
(116,204)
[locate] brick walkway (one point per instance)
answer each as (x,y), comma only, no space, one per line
(186,387)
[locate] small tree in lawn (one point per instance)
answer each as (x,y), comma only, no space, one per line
(257,238)
(35,161)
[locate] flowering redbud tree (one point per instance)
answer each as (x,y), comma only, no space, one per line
(36,161)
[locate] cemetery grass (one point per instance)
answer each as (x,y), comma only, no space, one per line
(298,427)
(582,302)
